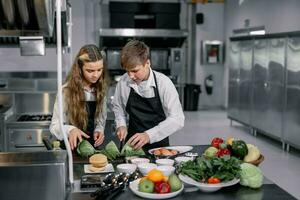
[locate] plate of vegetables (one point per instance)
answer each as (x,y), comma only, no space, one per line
(211,174)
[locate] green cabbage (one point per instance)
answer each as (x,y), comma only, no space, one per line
(112,151)
(250,176)
(128,151)
(210,152)
(85,149)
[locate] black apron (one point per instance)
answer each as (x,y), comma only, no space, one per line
(144,114)
(91,110)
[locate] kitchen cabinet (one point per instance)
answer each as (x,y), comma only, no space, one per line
(264,84)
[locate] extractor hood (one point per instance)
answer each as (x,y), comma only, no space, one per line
(22,18)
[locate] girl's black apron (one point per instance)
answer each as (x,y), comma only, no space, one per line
(91,110)
(144,114)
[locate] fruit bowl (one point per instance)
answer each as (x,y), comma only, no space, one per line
(134,187)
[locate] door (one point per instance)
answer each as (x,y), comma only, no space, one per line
(233,88)
(292,108)
(245,81)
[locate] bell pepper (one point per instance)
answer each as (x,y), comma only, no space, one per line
(216,142)
(162,188)
(223,152)
(239,149)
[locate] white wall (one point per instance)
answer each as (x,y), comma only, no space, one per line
(211,29)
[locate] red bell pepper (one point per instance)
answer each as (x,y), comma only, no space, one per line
(162,188)
(216,142)
(223,152)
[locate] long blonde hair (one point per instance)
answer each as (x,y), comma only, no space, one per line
(74,92)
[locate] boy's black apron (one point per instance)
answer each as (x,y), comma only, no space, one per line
(144,114)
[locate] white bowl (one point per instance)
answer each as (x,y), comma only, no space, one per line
(144,168)
(180,159)
(139,160)
(165,161)
(167,170)
(126,168)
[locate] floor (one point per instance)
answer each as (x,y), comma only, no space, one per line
(280,166)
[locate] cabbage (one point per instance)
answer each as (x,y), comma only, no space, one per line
(210,152)
(112,151)
(250,176)
(128,151)
(85,149)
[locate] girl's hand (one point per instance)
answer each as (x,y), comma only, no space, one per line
(74,135)
(99,138)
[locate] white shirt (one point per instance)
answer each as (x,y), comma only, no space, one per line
(168,96)
(55,127)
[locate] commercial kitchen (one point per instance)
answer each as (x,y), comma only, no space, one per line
(234,64)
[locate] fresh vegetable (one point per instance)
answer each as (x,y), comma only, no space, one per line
(216,142)
(224,168)
(239,149)
(128,151)
(162,188)
(253,153)
(213,180)
(210,152)
(229,141)
(112,150)
(223,152)
(250,176)
(223,145)
(85,149)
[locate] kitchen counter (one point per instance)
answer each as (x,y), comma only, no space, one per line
(269,190)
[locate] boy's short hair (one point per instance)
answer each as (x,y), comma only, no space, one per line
(134,53)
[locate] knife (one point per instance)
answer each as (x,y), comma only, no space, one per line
(121,145)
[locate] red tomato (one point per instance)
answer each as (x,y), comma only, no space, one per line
(213,180)
(216,142)
(162,188)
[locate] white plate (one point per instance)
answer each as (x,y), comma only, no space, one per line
(109,168)
(207,187)
(134,187)
(180,149)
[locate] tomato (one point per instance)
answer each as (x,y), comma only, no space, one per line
(216,142)
(213,180)
(162,188)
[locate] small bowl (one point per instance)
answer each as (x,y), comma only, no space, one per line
(165,161)
(126,168)
(181,159)
(167,170)
(138,161)
(144,168)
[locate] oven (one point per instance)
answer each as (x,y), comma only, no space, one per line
(27,132)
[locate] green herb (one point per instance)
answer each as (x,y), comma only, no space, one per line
(224,168)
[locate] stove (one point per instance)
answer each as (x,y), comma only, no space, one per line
(28,118)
